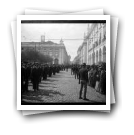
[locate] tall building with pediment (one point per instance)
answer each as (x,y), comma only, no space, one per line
(54,50)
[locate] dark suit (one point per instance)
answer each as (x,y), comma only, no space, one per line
(84,79)
(50,71)
(35,78)
(45,73)
(103,82)
(54,70)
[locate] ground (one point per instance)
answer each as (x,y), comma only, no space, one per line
(61,88)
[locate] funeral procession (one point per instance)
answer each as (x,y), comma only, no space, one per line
(63,64)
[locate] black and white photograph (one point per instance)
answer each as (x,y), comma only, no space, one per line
(63,62)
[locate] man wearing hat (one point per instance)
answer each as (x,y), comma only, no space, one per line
(84,80)
(79,73)
(35,76)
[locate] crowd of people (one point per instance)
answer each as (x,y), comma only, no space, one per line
(87,75)
(36,72)
(92,75)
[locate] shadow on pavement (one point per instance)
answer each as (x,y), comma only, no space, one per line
(31,98)
(92,101)
(51,80)
(47,83)
(37,95)
(46,86)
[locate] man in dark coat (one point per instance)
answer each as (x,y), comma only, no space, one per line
(50,71)
(54,69)
(76,72)
(45,72)
(79,74)
(35,77)
(103,81)
(94,77)
(84,80)
(57,69)
(40,72)
(71,69)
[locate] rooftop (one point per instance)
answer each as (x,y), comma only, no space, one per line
(42,43)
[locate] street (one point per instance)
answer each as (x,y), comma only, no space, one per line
(61,88)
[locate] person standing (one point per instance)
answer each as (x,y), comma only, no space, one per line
(75,69)
(93,76)
(50,70)
(35,77)
(103,81)
(79,73)
(71,69)
(83,80)
(54,69)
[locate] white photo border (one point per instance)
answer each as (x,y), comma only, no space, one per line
(63,17)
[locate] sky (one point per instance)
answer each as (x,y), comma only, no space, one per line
(33,32)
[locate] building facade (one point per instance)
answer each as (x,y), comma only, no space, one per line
(56,51)
(96,43)
(82,52)
(93,48)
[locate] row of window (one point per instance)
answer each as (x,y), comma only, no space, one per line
(98,42)
(97,56)
(95,59)
(98,53)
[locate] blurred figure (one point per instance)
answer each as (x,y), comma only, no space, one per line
(103,81)
(45,71)
(71,69)
(79,73)
(84,80)
(54,69)
(50,70)
(35,77)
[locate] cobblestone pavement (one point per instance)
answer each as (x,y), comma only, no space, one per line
(62,87)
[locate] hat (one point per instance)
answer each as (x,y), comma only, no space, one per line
(84,64)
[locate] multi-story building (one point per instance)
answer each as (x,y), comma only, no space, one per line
(82,52)
(56,51)
(93,48)
(96,43)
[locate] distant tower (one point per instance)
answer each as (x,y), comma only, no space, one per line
(61,42)
(42,38)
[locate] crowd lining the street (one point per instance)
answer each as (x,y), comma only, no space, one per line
(95,75)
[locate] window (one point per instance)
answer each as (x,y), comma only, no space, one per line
(104,54)
(97,57)
(100,39)
(100,55)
